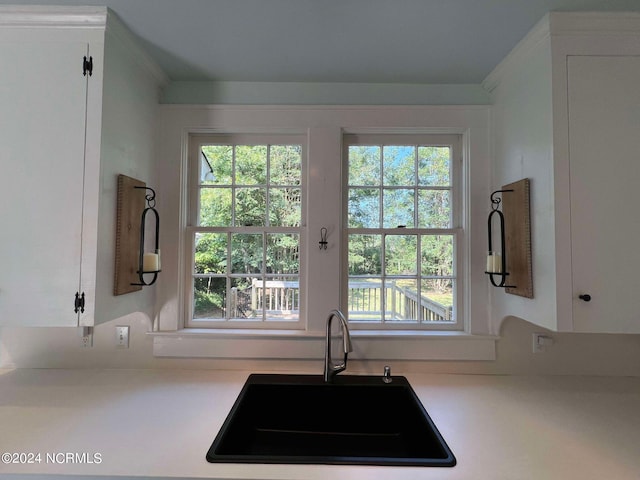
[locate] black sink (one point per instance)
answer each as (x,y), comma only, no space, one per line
(352,420)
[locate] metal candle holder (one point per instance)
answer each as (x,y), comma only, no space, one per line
(495,209)
(151,203)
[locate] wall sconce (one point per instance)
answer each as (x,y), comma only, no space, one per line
(149,262)
(497,261)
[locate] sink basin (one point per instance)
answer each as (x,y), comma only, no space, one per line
(352,420)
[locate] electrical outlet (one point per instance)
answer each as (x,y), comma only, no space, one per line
(541,341)
(86,337)
(122,336)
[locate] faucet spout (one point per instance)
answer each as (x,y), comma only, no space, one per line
(331,369)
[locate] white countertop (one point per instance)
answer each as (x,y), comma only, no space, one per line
(160,423)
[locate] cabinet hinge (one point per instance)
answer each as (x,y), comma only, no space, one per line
(87,66)
(79,303)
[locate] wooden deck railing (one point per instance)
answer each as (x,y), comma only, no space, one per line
(365,299)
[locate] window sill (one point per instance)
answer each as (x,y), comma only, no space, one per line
(298,344)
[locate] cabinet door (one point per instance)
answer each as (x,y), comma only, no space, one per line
(42,125)
(604,142)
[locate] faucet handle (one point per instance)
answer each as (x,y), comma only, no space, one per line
(386,376)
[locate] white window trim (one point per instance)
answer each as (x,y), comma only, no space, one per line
(300,345)
(325,126)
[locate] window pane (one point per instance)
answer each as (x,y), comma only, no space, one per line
(364,208)
(286,165)
(281,298)
(215,207)
(243,298)
(248,201)
(398,208)
(438,300)
(209,297)
(365,255)
(401,301)
(284,207)
(364,165)
(251,206)
(412,190)
(434,166)
(437,255)
(365,299)
(283,253)
(210,253)
(246,253)
(251,165)
(434,209)
(399,165)
(216,164)
(401,254)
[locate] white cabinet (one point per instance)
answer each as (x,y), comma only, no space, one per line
(65,134)
(567,116)
(41,181)
(604,165)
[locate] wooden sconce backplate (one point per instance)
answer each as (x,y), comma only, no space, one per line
(129,213)
(517,220)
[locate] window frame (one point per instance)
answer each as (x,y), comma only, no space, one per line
(456,230)
(195,141)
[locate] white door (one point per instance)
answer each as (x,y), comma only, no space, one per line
(42,124)
(604,142)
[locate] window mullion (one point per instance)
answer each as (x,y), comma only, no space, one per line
(263,275)
(267,186)
(381,189)
(419,273)
(415,188)
(233,187)
(228,278)
(383,285)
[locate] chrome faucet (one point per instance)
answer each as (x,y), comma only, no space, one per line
(331,369)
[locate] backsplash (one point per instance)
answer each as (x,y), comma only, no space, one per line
(570,353)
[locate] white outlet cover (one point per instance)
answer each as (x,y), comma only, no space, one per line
(122,336)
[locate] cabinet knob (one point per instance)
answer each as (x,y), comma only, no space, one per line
(585,297)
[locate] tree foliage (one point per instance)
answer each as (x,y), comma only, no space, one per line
(259,186)
(400,186)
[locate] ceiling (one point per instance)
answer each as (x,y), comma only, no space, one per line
(375,41)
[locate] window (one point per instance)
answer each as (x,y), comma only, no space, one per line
(324,135)
(402,231)
(245,216)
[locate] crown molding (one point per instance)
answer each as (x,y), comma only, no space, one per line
(117,30)
(52,16)
(539,33)
(93,18)
(556,25)
(594,23)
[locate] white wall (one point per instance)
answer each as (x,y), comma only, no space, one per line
(128,146)
(522,126)
(571,354)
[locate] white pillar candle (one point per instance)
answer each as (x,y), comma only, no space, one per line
(497,263)
(150,262)
(490,263)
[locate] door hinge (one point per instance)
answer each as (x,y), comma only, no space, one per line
(79,303)
(87,66)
